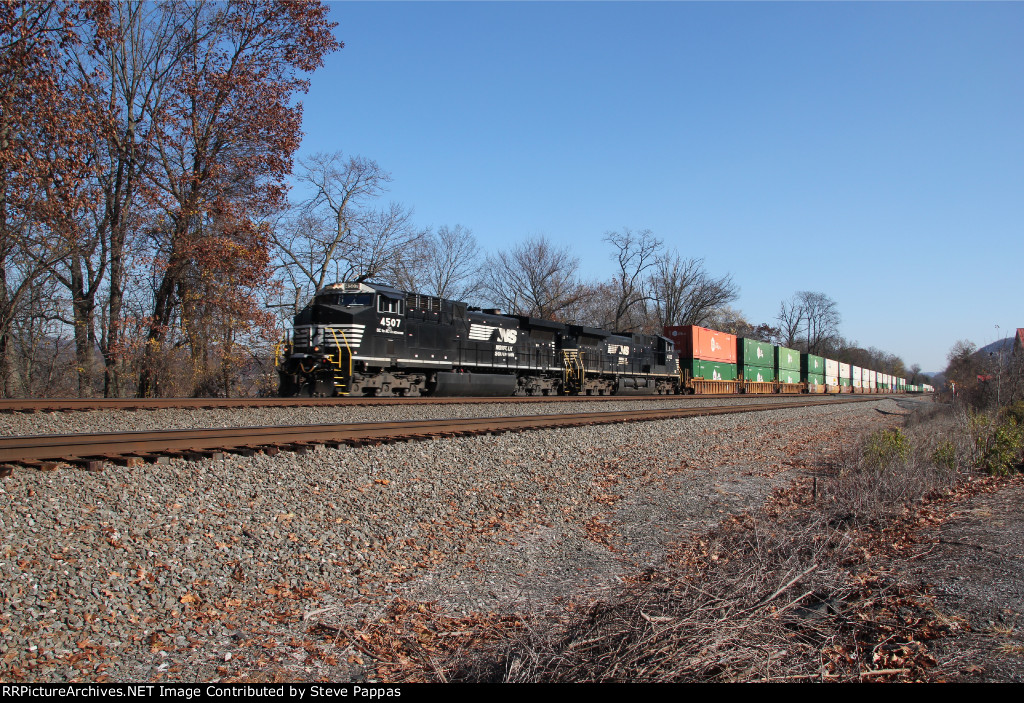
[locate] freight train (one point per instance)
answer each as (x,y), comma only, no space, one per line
(367,339)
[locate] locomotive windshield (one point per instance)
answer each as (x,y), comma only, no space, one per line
(348,300)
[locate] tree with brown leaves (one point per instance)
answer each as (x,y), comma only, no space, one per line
(46,125)
(225,146)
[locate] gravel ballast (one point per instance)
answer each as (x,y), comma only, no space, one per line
(220,568)
(24,424)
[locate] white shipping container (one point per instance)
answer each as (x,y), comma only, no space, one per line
(857,377)
(831,367)
(872,378)
(844,370)
(831,380)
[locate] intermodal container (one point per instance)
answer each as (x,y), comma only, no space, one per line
(872,379)
(857,375)
(815,381)
(831,368)
(844,371)
(786,358)
(844,381)
(694,342)
(710,370)
(758,373)
(751,352)
(831,380)
(788,376)
(811,365)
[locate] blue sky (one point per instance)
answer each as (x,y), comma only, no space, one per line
(871,151)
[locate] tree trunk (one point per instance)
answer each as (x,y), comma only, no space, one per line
(163,308)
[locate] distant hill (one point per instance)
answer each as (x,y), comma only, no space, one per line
(1004,345)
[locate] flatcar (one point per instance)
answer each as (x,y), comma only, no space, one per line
(367,339)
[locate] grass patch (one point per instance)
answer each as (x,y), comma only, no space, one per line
(789,592)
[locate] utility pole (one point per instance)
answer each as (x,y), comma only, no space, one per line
(999,367)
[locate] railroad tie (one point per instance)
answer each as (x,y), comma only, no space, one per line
(129,460)
(92,464)
(159,459)
(40,465)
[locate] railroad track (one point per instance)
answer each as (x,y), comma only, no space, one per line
(33,405)
(92,451)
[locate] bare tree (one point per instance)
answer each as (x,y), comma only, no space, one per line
(791,314)
(814,314)
(533,278)
(595,306)
(684,292)
(965,366)
(446,263)
(728,319)
(44,360)
(336,234)
(915,374)
(635,253)
(822,316)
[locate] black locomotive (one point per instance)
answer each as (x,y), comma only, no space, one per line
(363,339)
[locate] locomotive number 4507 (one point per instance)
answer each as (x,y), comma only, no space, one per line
(389,325)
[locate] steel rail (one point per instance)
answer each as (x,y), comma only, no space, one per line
(98,447)
(30,405)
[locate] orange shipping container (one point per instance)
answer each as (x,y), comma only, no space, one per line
(694,342)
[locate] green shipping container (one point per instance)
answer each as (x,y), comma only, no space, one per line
(786,358)
(758,373)
(789,376)
(815,379)
(811,365)
(710,370)
(754,353)
(845,381)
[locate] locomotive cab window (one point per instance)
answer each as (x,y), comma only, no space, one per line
(395,306)
(355,300)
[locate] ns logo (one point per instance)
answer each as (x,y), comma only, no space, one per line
(506,336)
